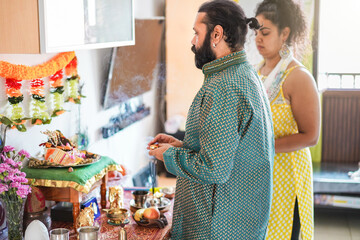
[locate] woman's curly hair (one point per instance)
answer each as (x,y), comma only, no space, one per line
(285,13)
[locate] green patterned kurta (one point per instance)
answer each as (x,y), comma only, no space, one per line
(224,169)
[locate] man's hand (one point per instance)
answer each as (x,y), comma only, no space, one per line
(164,138)
(158,152)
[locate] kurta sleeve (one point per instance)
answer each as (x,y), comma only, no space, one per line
(224,117)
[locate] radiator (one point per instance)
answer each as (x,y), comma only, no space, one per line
(341,126)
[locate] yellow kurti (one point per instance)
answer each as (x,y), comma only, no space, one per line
(292,177)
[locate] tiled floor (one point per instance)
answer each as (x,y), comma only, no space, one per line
(329,225)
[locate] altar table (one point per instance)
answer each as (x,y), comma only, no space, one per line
(60,185)
(134,231)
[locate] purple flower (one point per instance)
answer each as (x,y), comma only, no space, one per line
(8,149)
(14,171)
(3,188)
(16,185)
(10,162)
(12,178)
(20,179)
(23,190)
(17,164)
(4,167)
(23,152)
(9,178)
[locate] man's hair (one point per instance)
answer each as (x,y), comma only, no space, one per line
(230,16)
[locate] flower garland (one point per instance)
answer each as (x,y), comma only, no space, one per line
(9,70)
(73,79)
(14,116)
(56,93)
(15,110)
(38,109)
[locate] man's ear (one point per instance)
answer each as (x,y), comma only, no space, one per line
(285,33)
(217,34)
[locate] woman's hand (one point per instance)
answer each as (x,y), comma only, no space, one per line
(164,138)
(158,152)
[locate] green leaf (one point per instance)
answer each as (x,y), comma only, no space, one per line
(15,100)
(48,121)
(38,97)
(58,90)
(6,121)
(21,127)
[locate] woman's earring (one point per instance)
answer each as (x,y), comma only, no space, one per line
(284,51)
(214,45)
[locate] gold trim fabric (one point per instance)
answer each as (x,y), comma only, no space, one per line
(78,187)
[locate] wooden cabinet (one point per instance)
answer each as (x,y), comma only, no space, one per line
(47,26)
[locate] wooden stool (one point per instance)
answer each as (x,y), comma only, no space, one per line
(68,194)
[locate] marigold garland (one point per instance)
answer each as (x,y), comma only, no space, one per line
(53,69)
(72,83)
(15,110)
(38,109)
(56,93)
(9,70)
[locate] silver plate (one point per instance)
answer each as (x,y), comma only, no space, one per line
(67,166)
(165,202)
(78,165)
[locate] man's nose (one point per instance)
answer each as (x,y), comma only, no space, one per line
(193,41)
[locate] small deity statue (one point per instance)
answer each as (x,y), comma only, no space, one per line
(116,197)
(86,217)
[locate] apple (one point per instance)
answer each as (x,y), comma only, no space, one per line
(139,214)
(151,213)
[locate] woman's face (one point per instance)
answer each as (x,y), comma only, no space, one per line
(268,40)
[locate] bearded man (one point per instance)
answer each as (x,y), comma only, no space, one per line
(224,164)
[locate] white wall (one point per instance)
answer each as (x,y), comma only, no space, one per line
(183,79)
(127,146)
(249,7)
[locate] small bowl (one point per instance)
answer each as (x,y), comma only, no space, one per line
(158,223)
(118,216)
(169,192)
(163,205)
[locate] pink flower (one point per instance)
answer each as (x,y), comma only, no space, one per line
(23,190)
(20,179)
(9,178)
(10,162)
(23,152)
(8,149)
(3,188)
(4,167)
(14,171)
(17,164)
(12,179)
(16,185)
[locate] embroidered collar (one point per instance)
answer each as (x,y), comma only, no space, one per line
(224,62)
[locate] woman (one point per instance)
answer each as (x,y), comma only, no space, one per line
(296,117)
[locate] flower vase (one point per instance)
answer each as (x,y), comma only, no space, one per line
(14,217)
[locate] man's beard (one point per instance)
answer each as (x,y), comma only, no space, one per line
(204,54)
